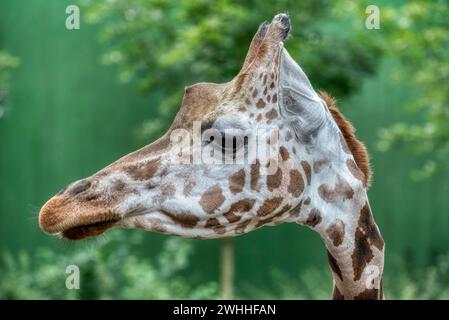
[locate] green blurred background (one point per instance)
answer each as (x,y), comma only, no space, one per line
(73,101)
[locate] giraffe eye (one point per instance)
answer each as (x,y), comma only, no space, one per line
(227,142)
(233,143)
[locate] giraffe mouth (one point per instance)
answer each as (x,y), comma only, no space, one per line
(66,218)
(88,230)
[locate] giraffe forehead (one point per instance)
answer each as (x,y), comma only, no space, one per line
(205,102)
(200,102)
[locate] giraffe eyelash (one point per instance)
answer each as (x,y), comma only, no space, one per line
(222,146)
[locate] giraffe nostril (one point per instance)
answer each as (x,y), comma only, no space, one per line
(79,187)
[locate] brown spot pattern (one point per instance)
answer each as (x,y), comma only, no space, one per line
(269,206)
(255,174)
(185,219)
(143,171)
(260,104)
(284,153)
(274,181)
(362,254)
(334,265)
(314,218)
(369,228)
(212,222)
(237,181)
(284,209)
(366,235)
(254,93)
(296,185)
(336,232)
(212,198)
(272,114)
(150,185)
(319,165)
(119,186)
(341,191)
(368,294)
(241,206)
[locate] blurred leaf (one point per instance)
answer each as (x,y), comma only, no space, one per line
(109,270)
(7,63)
(416,34)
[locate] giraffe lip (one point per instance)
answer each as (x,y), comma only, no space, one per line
(96,227)
(88,230)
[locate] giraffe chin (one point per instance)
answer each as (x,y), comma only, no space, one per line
(85,231)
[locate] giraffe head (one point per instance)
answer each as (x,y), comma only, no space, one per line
(166,187)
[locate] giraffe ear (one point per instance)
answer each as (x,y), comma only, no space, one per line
(300,104)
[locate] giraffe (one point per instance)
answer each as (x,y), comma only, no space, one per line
(318,175)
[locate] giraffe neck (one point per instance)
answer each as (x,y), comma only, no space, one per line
(357,263)
(336,206)
(368,287)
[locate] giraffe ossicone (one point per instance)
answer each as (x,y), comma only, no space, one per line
(317,177)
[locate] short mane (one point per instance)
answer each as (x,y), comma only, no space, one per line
(357,148)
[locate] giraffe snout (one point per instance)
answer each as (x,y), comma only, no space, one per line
(50,218)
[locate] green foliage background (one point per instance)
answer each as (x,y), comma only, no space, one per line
(7,63)
(80,99)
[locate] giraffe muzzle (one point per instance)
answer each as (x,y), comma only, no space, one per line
(78,211)
(72,220)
